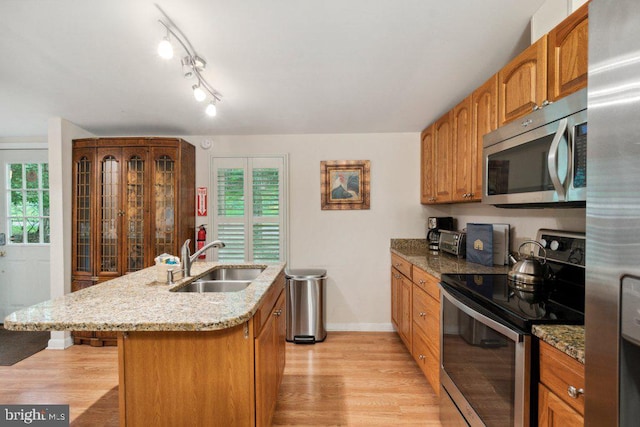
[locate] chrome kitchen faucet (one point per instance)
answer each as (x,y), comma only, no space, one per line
(187,258)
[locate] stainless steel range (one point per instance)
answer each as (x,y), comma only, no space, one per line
(489,360)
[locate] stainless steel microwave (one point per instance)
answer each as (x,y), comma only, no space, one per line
(539,160)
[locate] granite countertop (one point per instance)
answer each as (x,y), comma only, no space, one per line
(136,302)
(417,253)
(567,338)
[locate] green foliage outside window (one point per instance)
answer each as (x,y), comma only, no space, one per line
(29,202)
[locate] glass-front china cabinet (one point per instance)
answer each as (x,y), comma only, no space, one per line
(133,199)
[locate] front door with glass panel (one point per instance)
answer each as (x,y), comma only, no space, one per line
(24,223)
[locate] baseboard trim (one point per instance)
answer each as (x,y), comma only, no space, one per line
(60,341)
(360,327)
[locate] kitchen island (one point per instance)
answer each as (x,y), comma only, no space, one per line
(184,358)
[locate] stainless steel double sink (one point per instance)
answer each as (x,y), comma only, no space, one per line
(223,279)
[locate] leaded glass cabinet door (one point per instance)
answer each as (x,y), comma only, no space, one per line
(83,215)
(164,201)
(110,212)
(136,202)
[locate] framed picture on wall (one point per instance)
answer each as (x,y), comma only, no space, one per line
(344,184)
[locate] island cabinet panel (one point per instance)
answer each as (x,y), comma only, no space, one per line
(269,360)
(133,199)
(568,54)
(227,377)
(201,378)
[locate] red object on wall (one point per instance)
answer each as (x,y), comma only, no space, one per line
(200,241)
(201,201)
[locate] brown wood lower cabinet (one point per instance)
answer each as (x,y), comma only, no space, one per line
(415,313)
(426,331)
(205,378)
(401,298)
(557,405)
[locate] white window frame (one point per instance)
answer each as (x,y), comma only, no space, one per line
(248,162)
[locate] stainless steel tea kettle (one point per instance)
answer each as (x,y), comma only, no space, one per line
(529,273)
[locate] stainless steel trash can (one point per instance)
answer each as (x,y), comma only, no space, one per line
(305,305)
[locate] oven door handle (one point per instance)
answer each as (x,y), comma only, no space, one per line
(496,326)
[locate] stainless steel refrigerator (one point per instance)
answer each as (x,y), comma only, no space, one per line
(612,316)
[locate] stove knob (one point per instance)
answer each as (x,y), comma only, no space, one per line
(543,242)
(555,245)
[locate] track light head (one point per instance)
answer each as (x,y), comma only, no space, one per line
(198,93)
(198,63)
(165,50)
(211,109)
(187,67)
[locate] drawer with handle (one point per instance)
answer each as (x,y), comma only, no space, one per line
(427,282)
(563,375)
(401,265)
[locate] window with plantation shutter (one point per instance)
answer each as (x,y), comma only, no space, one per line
(248,198)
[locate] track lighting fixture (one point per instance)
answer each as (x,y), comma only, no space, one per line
(192,63)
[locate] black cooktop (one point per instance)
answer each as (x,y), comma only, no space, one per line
(557,302)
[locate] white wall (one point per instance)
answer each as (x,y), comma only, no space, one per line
(550,14)
(353,246)
(61,133)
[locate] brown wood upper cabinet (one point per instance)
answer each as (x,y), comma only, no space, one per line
(427,167)
(522,83)
(451,148)
(484,105)
(463,152)
(568,53)
(443,158)
(437,156)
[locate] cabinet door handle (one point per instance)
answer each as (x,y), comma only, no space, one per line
(421,357)
(422,314)
(422,282)
(574,392)
(397,276)
(277,313)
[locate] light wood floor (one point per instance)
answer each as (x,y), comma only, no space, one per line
(351,379)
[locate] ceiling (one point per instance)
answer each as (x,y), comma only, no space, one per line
(282,66)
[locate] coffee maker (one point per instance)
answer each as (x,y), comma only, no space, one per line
(434,225)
